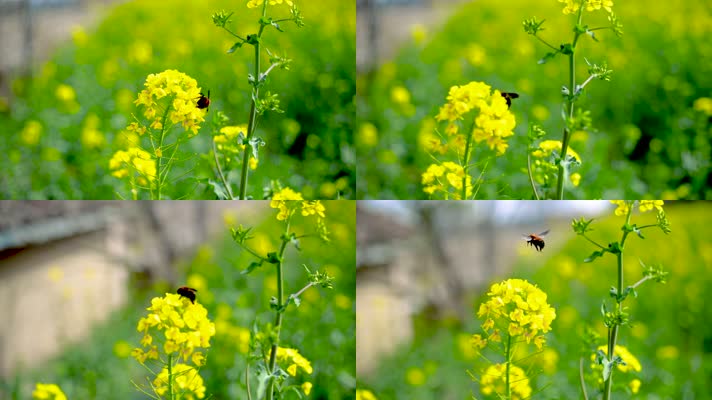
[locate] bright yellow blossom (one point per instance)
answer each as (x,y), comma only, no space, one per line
(647,205)
(170,96)
(294,359)
(494,380)
(258,3)
(180,325)
(446,178)
(363,394)
(123,163)
(520,308)
(186,381)
(48,391)
(307,387)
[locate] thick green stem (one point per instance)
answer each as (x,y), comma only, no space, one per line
(170,376)
(278,318)
(253,113)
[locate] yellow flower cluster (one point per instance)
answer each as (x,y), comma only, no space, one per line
(517,307)
(493,123)
(494,380)
(287,201)
(182,326)
(643,205)
(258,3)
(363,394)
(446,178)
(573,6)
(293,359)
(48,391)
(543,170)
(181,92)
(227,142)
(125,162)
(186,381)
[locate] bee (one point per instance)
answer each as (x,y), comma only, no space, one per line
(203,100)
(536,240)
(509,96)
(187,292)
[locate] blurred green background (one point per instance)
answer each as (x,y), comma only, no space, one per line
(322,328)
(647,139)
(668,333)
(56,147)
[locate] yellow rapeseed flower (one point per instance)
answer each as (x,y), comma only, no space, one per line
(294,360)
(306,388)
(227,140)
(519,308)
(48,391)
(363,394)
(648,205)
(494,380)
(446,178)
(186,381)
(546,147)
(180,325)
(181,92)
(258,3)
(125,162)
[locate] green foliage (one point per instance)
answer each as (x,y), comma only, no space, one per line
(646,139)
(667,330)
(309,146)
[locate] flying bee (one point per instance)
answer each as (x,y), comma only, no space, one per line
(509,96)
(536,240)
(203,100)
(187,292)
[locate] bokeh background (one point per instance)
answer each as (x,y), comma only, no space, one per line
(423,268)
(74,68)
(75,277)
(651,123)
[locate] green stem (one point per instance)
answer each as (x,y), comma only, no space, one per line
(466,160)
(159,159)
(613,336)
(278,318)
(220,173)
(170,376)
(571,101)
(508,355)
(253,113)
(465,164)
(583,382)
(529,171)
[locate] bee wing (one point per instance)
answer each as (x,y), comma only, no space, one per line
(546,232)
(525,237)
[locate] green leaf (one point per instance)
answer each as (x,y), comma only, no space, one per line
(234,47)
(606,370)
(255,144)
(219,190)
(253,265)
(547,57)
(263,378)
(594,255)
